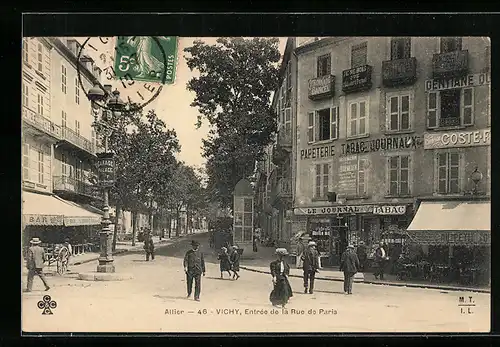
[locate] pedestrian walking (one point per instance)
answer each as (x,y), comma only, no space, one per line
(254,245)
(149,246)
(349,264)
(235,262)
(224,262)
(300,251)
(362,256)
(310,266)
(282,291)
(35,264)
(194,267)
(380,259)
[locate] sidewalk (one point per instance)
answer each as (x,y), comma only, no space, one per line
(259,262)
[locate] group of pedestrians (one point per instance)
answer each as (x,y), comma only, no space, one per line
(229,261)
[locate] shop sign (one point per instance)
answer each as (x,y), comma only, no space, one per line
(373,209)
(106,169)
(457,139)
(358,78)
(317,152)
(473,80)
(321,87)
(42,219)
(382,144)
(74,221)
(347,173)
(459,238)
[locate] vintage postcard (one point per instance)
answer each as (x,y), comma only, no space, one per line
(256,184)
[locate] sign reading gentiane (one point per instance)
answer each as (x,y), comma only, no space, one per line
(145,58)
(474,80)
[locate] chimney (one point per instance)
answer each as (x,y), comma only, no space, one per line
(74,46)
(108,88)
(97,73)
(88,62)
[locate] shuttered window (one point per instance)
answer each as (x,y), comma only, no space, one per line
(400,48)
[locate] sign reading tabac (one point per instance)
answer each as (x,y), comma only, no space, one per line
(473,80)
(374,209)
(457,139)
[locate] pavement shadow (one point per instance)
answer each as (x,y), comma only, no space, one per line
(220,279)
(140,261)
(329,292)
(171,297)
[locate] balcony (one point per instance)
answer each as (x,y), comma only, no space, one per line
(41,124)
(69,187)
(357,79)
(321,87)
(284,188)
(285,139)
(450,64)
(399,72)
(71,139)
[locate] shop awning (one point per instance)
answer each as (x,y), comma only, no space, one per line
(42,209)
(452,222)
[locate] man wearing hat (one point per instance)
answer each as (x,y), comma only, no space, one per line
(349,264)
(194,266)
(234,258)
(35,263)
(310,266)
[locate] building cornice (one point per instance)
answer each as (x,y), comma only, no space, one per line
(319,44)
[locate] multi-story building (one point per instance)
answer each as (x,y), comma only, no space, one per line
(384,123)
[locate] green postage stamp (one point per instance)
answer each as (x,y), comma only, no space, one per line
(146,58)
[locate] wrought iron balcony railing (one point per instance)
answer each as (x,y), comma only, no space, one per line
(399,71)
(41,123)
(73,185)
(77,140)
(450,64)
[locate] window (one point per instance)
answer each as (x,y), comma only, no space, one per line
(77,92)
(64,165)
(450,44)
(26,161)
(289,82)
(398,112)
(64,119)
(400,48)
(448,172)
(321,183)
(26,93)
(64,79)
(26,51)
(40,104)
(324,65)
(452,107)
(399,175)
(357,119)
(77,127)
(361,184)
(323,125)
(310,127)
(40,167)
(287,122)
(40,57)
(358,55)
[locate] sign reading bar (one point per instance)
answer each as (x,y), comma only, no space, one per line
(374,209)
(473,80)
(457,139)
(435,237)
(384,144)
(317,152)
(42,219)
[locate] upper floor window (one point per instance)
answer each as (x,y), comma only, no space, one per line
(448,165)
(41,164)
(452,107)
(77,127)
(400,48)
(40,104)
(26,161)
(77,91)
(324,65)
(399,111)
(26,51)
(357,118)
(288,83)
(40,58)
(323,125)
(26,93)
(321,181)
(450,44)
(362,178)
(398,178)
(287,121)
(359,55)
(64,119)
(64,79)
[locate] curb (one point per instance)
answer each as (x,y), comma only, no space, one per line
(393,284)
(96,276)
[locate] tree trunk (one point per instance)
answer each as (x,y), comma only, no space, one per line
(177,222)
(118,224)
(134,226)
(169,224)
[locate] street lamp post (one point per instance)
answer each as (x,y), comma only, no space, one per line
(115,104)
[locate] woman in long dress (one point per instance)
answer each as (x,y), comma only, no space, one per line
(282,291)
(225,263)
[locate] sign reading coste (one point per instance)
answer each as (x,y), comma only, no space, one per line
(457,139)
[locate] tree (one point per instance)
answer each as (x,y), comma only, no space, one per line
(233,93)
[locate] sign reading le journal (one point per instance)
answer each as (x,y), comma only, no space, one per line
(458,82)
(375,209)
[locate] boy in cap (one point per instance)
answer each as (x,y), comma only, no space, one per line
(194,266)
(35,263)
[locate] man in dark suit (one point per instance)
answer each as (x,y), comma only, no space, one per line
(380,261)
(349,264)
(310,266)
(194,267)
(149,246)
(35,263)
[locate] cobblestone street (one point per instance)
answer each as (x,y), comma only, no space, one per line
(155,301)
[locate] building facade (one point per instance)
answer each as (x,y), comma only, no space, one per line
(382,123)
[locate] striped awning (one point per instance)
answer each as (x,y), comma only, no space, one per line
(43,209)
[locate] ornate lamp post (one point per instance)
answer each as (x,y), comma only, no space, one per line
(106,174)
(476,177)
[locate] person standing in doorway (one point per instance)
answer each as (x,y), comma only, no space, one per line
(310,266)
(35,264)
(235,262)
(380,257)
(349,264)
(194,267)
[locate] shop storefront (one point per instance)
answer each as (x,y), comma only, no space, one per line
(334,227)
(454,239)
